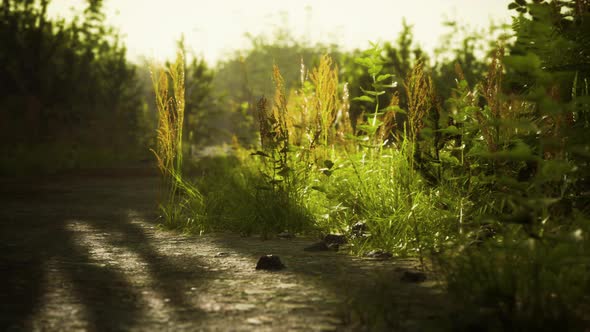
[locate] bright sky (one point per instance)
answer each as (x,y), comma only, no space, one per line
(215,28)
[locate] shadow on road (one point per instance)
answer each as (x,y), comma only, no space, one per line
(50,234)
(84,244)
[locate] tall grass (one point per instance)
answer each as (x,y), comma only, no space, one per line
(466,180)
(476,184)
(181,203)
(325,102)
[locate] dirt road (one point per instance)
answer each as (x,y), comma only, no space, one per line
(84,253)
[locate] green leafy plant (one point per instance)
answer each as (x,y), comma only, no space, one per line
(373,63)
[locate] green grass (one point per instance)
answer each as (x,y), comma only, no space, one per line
(516,284)
(238,199)
(446,192)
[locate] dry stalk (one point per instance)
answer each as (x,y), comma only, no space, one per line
(420,93)
(325,79)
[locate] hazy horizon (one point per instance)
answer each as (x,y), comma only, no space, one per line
(216,29)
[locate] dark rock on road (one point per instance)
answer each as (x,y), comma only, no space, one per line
(85,253)
(270,262)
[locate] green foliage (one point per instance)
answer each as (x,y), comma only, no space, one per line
(518,147)
(373,63)
(481,161)
(519,284)
(64,84)
(392,59)
(489,173)
(247,75)
(244,203)
(479,153)
(391,199)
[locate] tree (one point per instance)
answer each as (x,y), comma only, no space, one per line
(65,84)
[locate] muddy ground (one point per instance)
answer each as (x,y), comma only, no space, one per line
(84,253)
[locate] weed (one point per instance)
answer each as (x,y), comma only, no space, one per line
(181,204)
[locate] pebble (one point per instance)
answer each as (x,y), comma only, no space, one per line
(379,254)
(254,321)
(269,262)
(286,235)
(359,228)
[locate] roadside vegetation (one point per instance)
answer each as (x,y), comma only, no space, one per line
(478,166)
(474,159)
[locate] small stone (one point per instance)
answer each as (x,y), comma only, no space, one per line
(254,321)
(286,235)
(379,254)
(334,239)
(221,254)
(416,277)
(359,228)
(269,262)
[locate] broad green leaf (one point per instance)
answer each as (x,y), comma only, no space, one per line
(383,77)
(366,62)
(364,98)
(378,86)
(372,93)
(374,70)
(463,85)
(451,130)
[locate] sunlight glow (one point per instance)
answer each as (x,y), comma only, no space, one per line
(213,29)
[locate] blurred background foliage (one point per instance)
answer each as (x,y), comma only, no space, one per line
(70,97)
